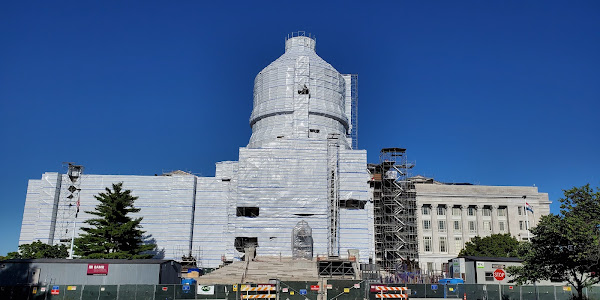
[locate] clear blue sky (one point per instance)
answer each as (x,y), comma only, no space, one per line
(487,92)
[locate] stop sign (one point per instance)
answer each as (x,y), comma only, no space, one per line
(499,274)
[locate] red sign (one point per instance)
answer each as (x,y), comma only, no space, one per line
(55,290)
(165,288)
(510,287)
(314,287)
(499,274)
(97,269)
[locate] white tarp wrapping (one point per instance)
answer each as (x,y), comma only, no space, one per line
(281,176)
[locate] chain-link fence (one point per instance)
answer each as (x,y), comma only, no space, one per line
(290,290)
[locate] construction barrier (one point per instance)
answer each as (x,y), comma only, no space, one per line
(258,292)
(259,296)
(384,291)
(391,296)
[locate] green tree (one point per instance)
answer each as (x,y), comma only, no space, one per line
(113,234)
(495,245)
(565,246)
(38,250)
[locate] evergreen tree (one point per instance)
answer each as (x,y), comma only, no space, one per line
(113,234)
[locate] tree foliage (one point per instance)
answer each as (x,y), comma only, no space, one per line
(565,246)
(39,250)
(113,234)
(495,245)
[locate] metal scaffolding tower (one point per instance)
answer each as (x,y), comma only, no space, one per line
(68,205)
(333,149)
(354,114)
(394,199)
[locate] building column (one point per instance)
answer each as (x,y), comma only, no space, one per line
(495,226)
(479,217)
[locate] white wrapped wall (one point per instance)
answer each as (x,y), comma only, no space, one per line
(299,102)
(166,204)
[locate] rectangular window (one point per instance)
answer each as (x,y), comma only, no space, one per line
(441,226)
(456,211)
(501,226)
(427,243)
(487,212)
(521,227)
(426,210)
(441,210)
(443,246)
(429,267)
(250,212)
(458,243)
(472,226)
(487,226)
(501,212)
(471,211)
(426,224)
(489,276)
(520,210)
(456,225)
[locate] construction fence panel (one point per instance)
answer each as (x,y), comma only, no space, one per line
(345,289)
(492,291)
(474,291)
(417,290)
(37,293)
(511,292)
(164,291)
(562,293)
(216,291)
(127,292)
(108,292)
(298,290)
(592,292)
(72,292)
(185,292)
(453,290)
(90,292)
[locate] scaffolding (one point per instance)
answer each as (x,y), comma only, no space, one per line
(333,149)
(68,205)
(354,115)
(394,200)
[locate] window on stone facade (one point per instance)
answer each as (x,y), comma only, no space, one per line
(458,245)
(520,210)
(441,210)
(443,244)
(456,225)
(426,224)
(487,212)
(427,243)
(521,227)
(502,226)
(441,225)
(471,211)
(426,210)
(487,226)
(456,211)
(502,212)
(472,226)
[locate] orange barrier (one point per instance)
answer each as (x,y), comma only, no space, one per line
(391,296)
